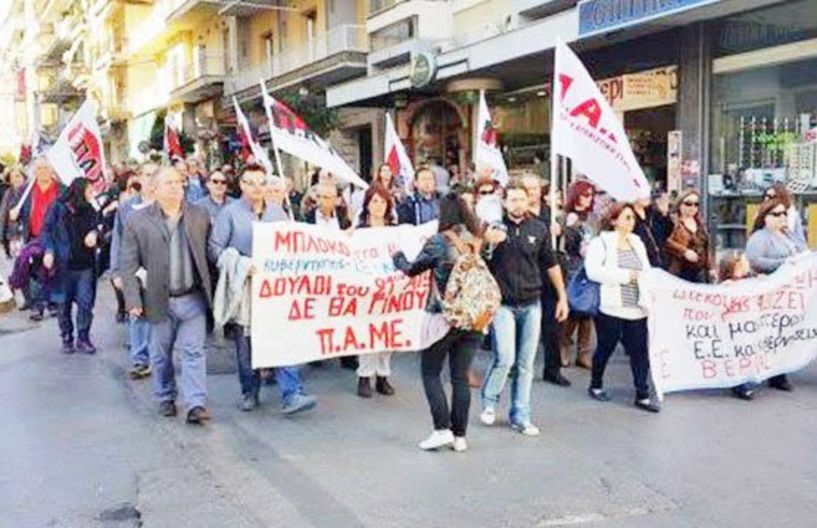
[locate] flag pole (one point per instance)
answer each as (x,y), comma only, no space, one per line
(275,150)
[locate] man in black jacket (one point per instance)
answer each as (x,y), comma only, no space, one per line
(517,263)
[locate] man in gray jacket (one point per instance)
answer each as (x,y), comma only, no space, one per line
(169,240)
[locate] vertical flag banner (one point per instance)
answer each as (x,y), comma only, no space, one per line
(487,153)
(586,130)
(396,157)
(78,152)
(172,143)
(290,134)
(258,152)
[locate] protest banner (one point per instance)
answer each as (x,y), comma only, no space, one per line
(718,336)
(78,151)
(245,131)
(487,153)
(320,293)
(291,134)
(397,159)
(586,129)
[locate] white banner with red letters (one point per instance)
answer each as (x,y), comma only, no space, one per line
(320,293)
(586,130)
(78,151)
(717,336)
(291,134)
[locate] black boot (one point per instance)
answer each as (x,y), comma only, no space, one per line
(364,388)
(383,386)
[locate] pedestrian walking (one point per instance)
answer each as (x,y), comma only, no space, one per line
(70,238)
(168,239)
(217,197)
(518,262)
(688,245)
(615,259)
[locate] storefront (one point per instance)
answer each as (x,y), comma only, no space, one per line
(763,116)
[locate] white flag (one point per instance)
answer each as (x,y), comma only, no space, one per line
(487,153)
(586,130)
(78,152)
(258,152)
(290,134)
(396,157)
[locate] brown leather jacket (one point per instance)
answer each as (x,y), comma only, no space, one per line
(682,239)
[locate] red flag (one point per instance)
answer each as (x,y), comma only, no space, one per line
(173,146)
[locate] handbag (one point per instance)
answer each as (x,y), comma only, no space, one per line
(583,294)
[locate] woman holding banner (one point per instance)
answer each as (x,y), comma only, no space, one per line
(615,259)
(769,247)
(377,211)
(688,245)
(439,254)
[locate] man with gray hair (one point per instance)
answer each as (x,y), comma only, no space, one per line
(169,240)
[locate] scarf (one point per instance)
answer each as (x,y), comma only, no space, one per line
(41,200)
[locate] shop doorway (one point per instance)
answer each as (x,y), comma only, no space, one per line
(435,133)
(647,130)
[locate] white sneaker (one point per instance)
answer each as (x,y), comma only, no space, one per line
(459,444)
(488,416)
(437,439)
(527,429)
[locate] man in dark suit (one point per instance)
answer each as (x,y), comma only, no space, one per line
(166,243)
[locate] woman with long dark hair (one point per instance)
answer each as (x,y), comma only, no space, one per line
(70,238)
(376,212)
(687,247)
(456,221)
(769,247)
(11,230)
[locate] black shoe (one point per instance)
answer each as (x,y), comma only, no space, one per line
(383,386)
(167,408)
(598,394)
(557,379)
(349,362)
(197,416)
(647,405)
(781,383)
(36,316)
(743,393)
(364,388)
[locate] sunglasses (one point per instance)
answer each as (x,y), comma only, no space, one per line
(691,204)
(778,213)
(486,193)
(218,182)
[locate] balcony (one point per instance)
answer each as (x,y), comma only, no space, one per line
(181,10)
(114,52)
(199,79)
(330,57)
(535,9)
(59,91)
(399,29)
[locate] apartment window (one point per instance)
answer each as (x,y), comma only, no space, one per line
(393,34)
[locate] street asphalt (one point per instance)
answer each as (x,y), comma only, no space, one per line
(83,446)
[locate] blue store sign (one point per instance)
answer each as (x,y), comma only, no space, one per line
(597,16)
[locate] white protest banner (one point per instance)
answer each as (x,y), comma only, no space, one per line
(321,293)
(78,151)
(290,134)
(397,159)
(258,152)
(710,336)
(587,130)
(487,153)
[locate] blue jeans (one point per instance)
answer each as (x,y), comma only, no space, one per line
(80,288)
(138,335)
(516,339)
(288,379)
(184,329)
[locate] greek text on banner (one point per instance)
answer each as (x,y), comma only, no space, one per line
(320,293)
(706,336)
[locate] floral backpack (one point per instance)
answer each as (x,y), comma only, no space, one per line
(472,295)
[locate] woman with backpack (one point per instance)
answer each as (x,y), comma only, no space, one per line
(376,211)
(458,231)
(615,259)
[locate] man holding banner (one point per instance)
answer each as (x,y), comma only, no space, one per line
(229,245)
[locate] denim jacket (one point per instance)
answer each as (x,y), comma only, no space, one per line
(437,255)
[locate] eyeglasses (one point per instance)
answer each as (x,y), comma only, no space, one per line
(218,182)
(691,204)
(486,192)
(777,213)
